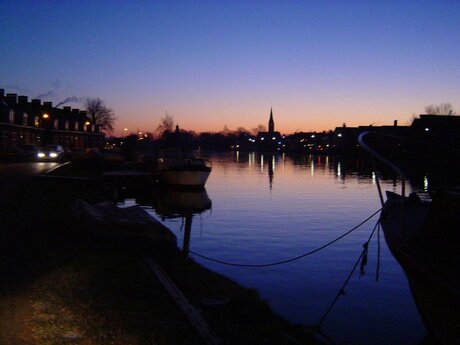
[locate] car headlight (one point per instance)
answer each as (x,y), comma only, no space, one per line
(53,154)
(40,155)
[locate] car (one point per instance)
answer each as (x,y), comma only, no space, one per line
(51,153)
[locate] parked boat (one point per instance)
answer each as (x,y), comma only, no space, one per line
(423,236)
(174,168)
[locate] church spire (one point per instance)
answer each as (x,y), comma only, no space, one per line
(271,123)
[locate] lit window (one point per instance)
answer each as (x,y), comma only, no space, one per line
(427,129)
(37,121)
(76,125)
(66,126)
(24,119)
(56,124)
(11,116)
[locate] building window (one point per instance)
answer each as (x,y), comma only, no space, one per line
(66,126)
(56,124)
(24,119)
(76,125)
(11,116)
(37,121)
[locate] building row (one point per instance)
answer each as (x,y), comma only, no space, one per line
(24,122)
(426,132)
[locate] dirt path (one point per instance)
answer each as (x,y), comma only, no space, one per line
(15,314)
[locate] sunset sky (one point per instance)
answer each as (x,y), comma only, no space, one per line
(214,63)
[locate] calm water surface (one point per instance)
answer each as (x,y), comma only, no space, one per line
(269,208)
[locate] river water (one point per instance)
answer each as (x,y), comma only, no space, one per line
(266,208)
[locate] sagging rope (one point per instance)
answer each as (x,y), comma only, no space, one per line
(362,260)
(287,260)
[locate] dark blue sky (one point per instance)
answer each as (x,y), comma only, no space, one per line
(216,63)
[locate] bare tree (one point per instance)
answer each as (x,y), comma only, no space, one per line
(100,114)
(259,128)
(440,109)
(166,125)
(225,131)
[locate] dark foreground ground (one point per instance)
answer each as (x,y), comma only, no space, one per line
(59,284)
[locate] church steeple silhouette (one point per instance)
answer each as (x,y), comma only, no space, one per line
(271,123)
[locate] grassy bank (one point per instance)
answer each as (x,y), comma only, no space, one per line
(63,285)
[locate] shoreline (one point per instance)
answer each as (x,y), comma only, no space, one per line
(103,289)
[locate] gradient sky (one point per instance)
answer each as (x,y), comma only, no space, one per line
(214,63)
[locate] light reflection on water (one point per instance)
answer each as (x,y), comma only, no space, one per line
(269,208)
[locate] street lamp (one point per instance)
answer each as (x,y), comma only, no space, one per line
(125,130)
(45,116)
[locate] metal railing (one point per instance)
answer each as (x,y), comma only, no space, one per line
(378,156)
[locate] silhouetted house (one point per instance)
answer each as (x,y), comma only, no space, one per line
(441,128)
(33,123)
(271,140)
(310,142)
(179,139)
(435,135)
(344,140)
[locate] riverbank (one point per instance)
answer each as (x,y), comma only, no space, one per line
(61,284)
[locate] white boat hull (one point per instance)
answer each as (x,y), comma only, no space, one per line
(184,178)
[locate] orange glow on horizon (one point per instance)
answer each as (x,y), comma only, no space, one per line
(285,125)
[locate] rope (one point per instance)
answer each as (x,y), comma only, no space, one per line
(377,270)
(287,260)
(341,291)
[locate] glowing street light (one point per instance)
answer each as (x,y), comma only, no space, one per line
(45,116)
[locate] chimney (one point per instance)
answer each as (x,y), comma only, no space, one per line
(36,101)
(67,108)
(83,113)
(395,123)
(12,97)
(75,112)
(22,99)
(48,104)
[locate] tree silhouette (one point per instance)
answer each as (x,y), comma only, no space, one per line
(99,114)
(440,109)
(166,125)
